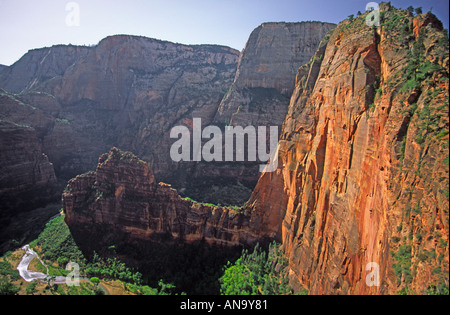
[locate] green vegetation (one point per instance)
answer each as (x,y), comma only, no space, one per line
(111,269)
(234,208)
(420,74)
(442,134)
(166,269)
(254,274)
(392,22)
(7,276)
(440,289)
(402,267)
(202,203)
(57,244)
(62,121)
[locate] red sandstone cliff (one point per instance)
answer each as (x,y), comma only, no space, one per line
(123,200)
(363,173)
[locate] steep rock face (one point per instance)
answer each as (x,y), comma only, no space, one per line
(265,76)
(362,184)
(142,88)
(18,109)
(127,90)
(122,198)
(27,177)
(39,67)
(130,91)
(258,96)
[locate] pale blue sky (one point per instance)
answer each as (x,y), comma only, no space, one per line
(28,24)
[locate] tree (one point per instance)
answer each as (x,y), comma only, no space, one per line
(166,288)
(410,9)
(95,280)
(49,280)
(31,288)
(418,10)
(255,273)
(7,288)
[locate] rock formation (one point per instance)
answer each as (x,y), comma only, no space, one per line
(266,71)
(122,200)
(260,92)
(127,90)
(130,91)
(360,200)
(39,67)
(362,185)
(28,179)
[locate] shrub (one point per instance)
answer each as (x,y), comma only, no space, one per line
(95,280)
(403,266)
(7,288)
(442,134)
(255,273)
(423,257)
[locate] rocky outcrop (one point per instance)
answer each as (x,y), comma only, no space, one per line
(362,184)
(123,201)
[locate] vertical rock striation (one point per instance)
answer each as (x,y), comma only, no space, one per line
(363,174)
(265,76)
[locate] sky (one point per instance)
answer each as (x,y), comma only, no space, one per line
(29,24)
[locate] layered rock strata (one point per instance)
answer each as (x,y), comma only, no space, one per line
(122,197)
(127,91)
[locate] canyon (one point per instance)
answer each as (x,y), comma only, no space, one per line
(130,91)
(362,179)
